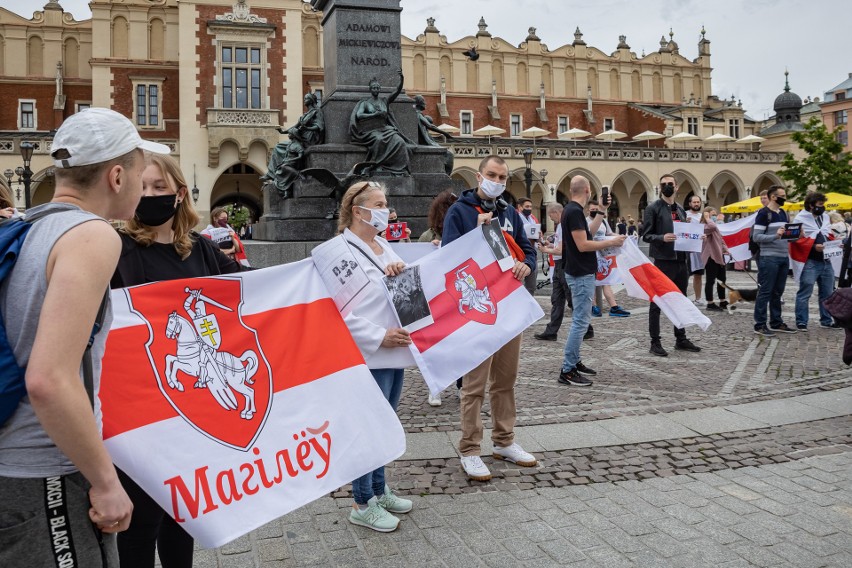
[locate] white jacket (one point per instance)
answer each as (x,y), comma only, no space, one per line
(372,317)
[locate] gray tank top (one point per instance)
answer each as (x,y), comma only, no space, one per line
(25,448)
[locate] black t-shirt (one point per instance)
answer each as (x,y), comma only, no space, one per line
(576,263)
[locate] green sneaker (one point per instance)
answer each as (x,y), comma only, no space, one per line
(373,517)
(393,504)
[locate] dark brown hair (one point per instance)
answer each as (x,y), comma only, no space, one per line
(438,210)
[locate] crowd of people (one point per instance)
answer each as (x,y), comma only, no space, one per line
(51,443)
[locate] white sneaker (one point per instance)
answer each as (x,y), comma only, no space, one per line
(515,454)
(700,302)
(475,468)
(435,400)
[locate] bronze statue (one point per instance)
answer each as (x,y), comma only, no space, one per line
(372,125)
(424,125)
(286,160)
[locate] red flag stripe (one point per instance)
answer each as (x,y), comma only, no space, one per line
(800,249)
(445,310)
(737,239)
(297,344)
(652,280)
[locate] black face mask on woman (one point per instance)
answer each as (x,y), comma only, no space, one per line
(156,209)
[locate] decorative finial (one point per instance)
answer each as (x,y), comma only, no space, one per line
(531,35)
(702,31)
(671,34)
(578,37)
(643,52)
(430,26)
(483,28)
(622,42)
(663,41)
(786,81)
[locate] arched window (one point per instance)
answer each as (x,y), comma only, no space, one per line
(35,56)
(311,47)
(570,82)
(71,58)
(472,76)
(592,80)
(156,39)
(419,73)
(119,37)
(447,71)
(614,85)
(547,79)
(696,87)
(678,88)
(657,88)
(523,86)
(497,75)
(636,86)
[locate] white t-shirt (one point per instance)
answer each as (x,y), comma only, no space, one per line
(693,216)
(557,241)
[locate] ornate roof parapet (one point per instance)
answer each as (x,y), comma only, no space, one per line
(483,28)
(241,14)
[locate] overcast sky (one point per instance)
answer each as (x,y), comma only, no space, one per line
(752,41)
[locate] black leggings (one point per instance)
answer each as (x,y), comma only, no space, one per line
(150,527)
(714,271)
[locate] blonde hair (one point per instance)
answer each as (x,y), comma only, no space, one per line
(5,197)
(215,214)
(357,194)
(185,216)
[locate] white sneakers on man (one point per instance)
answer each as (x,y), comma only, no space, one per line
(435,400)
(475,468)
(515,454)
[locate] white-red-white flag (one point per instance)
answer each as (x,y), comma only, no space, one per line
(229,399)
(476,306)
(607,273)
(800,249)
(736,236)
(645,281)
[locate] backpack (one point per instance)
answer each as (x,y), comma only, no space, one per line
(13,388)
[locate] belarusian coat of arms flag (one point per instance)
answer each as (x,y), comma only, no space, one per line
(222,400)
(477,308)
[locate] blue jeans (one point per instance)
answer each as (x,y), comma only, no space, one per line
(771,278)
(582,288)
(821,273)
(373,483)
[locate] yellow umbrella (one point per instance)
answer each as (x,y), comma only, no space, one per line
(747,206)
(833,201)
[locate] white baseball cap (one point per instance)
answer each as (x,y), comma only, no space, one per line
(96,135)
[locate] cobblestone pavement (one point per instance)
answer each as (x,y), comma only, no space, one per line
(794,514)
(734,366)
(778,496)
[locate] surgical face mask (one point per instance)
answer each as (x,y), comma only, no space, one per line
(667,189)
(378,218)
(222,223)
(491,188)
(780,201)
(817,210)
(526,212)
(155,210)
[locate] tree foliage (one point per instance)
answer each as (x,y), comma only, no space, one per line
(237,216)
(824,168)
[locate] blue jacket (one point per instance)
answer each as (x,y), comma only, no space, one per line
(461,218)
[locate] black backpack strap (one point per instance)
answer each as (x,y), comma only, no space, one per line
(88,365)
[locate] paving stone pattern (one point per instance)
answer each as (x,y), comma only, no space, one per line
(734,366)
(794,514)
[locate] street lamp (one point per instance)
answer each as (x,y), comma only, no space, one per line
(528,159)
(195,190)
(27,174)
(543,209)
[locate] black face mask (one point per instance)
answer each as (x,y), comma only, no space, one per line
(780,201)
(156,209)
(526,212)
(817,211)
(667,189)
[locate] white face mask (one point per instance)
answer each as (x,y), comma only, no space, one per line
(378,218)
(491,188)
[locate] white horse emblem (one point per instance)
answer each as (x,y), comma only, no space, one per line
(604,264)
(472,297)
(198,356)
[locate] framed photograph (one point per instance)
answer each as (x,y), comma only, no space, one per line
(497,243)
(396,231)
(408,299)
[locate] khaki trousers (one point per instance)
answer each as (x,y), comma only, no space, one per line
(499,372)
